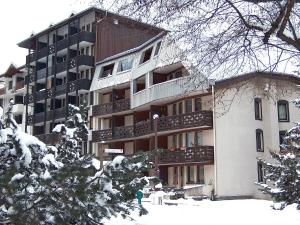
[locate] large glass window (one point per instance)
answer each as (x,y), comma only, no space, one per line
(199,138)
(259,140)
(125,64)
(258,108)
(283,111)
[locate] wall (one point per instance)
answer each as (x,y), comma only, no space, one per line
(236,155)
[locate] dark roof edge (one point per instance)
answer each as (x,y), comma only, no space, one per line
(86,11)
(133,50)
(255,74)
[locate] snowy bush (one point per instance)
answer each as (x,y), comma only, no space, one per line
(42,184)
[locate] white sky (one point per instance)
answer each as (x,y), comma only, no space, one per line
(19,18)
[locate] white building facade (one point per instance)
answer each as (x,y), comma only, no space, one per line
(211,135)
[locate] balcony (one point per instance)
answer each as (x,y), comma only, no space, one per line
(51,114)
(200,119)
(81,84)
(162,90)
(83,36)
(108,108)
(198,154)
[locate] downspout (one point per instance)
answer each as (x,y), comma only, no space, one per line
(215,134)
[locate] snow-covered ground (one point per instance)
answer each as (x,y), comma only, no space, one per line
(233,212)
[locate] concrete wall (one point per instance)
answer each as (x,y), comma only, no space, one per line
(236,154)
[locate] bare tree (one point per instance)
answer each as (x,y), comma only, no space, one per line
(225,37)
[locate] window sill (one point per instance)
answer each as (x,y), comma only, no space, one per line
(284,121)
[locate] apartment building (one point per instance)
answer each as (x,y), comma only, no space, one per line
(13,88)
(143,96)
(210,136)
(62,58)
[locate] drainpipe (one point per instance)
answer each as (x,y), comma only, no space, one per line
(215,134)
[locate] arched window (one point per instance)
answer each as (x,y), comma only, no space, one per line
(283,111)
(259,140)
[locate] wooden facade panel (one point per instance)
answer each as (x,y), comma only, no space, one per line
(115,38)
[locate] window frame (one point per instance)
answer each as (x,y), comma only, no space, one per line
(157,48)
(128,60)
(259,135)
(142,59)
(260,173)
(286,104)
(258,114)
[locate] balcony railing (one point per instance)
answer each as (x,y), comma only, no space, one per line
(197,154)
(81,84)
(108,108)
(50,115)
(167,123)
(62,44)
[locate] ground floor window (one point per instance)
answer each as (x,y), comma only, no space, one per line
(260,173)
(200,174)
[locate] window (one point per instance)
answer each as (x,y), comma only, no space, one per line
(174,106)
(146,55)
(188,106)
(180,140)
(198,104)
(125,64)
(191,172)
(198,138)
(82,74)
(260,173)
(189,139)
(87,50)
(258,109)
(282,134)
(82,51)
(83,28)
(157,48)
(18,119)
(107,70)
(259,140)
(10,84)
(283,111)
(88,27)
(87,73)
(180,108)
(200,174)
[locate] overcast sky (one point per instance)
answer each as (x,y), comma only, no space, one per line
(19,18)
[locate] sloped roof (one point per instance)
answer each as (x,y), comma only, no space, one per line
(12,70)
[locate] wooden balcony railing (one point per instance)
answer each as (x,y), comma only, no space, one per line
(108,108)
(197,154)
(188,120)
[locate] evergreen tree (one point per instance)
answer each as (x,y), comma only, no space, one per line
(283,175)
(26,165)
(58,185)
(89,194)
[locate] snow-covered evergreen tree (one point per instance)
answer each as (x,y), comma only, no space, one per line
(58,185)
(89,194)
(283,176)
(26,165)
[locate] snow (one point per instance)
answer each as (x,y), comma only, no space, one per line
(233,212)
(69,131)
(96,163)
(18,176)
(50,159)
